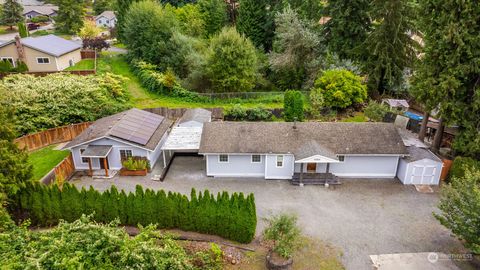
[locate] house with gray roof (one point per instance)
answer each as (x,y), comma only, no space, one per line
(110,140)
(277,150)
(32,11)
(41,54)
(106,19)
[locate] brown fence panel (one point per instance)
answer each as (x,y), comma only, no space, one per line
(47,137)
(88,54)
(64,169)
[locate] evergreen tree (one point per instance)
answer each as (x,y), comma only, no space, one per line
(15,171)
(448,76)
(131,215)
(47,206)
(121,11)
(293,106)
(214,13)
(70,15)
(38,216)
(138,208)
(348,27)
(100,6)
(253,21)
(22,29)
(55,204)
(12,13)
(390,47)
(122,206)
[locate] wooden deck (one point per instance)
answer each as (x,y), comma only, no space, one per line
(315,179)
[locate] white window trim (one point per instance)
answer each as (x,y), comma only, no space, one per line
(43,58)
(251,159)
(81,157)
(276,160)
(8,58)
(220,161)
(120,153)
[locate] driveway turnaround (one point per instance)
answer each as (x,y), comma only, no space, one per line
(360,217)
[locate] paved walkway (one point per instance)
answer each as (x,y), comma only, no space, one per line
(361,217)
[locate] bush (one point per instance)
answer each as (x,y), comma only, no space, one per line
(462,164)
(6,66)
(230,216)
(40,19)
(135,164)
(96,43)
(376,111)
(238,113)
(339,89)
(284,233)
(60,99)
(85,244)
(293,106)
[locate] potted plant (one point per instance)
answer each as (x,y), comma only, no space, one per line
(134,166)
(284,234)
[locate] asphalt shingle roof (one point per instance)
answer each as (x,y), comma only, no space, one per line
(307,139)
(51,44)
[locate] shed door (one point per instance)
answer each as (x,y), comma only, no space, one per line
(423,175)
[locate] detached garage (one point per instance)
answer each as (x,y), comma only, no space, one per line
(421,167)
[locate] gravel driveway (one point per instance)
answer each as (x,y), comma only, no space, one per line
(361,217)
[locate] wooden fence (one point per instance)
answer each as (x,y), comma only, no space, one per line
(47,137)
(88,54)
(217,113)
(63,170)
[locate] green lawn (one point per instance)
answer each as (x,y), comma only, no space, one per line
(6,30)
(358,117)
(45,159)
(85,64)
(142,98)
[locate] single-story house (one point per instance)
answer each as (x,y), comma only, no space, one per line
(110,140)
(276,150)
(41,54)
(40,10)
(106,19)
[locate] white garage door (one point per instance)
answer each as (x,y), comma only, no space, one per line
(423,175)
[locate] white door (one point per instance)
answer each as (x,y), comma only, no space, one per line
(423,175)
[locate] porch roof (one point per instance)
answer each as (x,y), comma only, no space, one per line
(97,151)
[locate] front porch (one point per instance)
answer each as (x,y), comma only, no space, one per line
(314,179)
(315,170)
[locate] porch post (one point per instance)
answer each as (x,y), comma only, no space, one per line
(328,168)
(90,173)
(164,160)
(301,172)
(105,166)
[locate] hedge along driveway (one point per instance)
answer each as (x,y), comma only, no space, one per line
(230,216)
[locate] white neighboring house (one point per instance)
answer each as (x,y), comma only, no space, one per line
(110,140)
(40,10)
(106,19)
(275,150)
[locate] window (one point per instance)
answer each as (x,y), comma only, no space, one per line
(125,154)
(84,159)
(100,21)
(341,158)
(279,161)
(223,158)
(9,59)
(43,60)
(256,158)
(107,21)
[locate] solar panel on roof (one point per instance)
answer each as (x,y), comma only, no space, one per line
(137,126)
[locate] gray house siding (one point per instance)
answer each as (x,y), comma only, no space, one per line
(154,156)
(366,167)
(274,172)
(237,166)
(113,157)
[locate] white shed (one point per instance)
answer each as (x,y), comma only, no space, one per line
(422,167)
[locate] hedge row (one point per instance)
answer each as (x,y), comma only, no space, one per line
(164,83)
(461,164)
(230,216)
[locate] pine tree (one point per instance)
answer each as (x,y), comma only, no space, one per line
(121,11)
(391,49)
(253,19)
(55,198)
(70,15)
(348,27)
(448,78)
(12,13)
(214,13)
(293,106)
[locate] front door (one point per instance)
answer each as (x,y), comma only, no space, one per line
(311,167)
(102,163)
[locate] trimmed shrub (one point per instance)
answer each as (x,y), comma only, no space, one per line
(462,164)
(230,216)
(376,111)
(40,19)
(238,113)
(293,106)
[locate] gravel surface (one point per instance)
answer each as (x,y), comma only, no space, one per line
(361,217)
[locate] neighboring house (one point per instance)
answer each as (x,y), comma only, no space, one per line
(106,19)
(40,10)
(42,54)
(275,150)
(110,140)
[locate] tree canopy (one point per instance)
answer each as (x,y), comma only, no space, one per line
(70,15)
(12,13)
(253,19)
(214,13)
(448,76)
